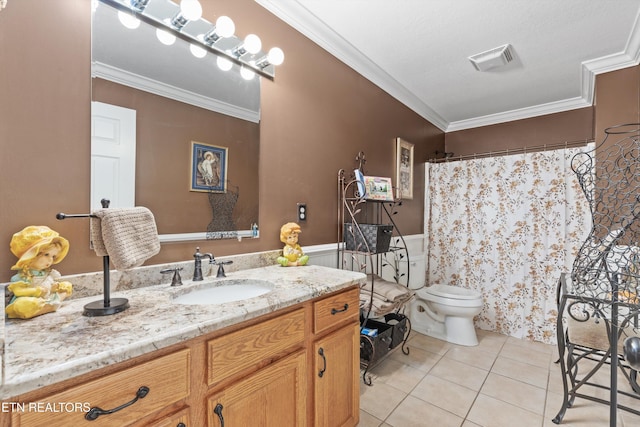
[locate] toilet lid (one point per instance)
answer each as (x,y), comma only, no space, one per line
(455,292)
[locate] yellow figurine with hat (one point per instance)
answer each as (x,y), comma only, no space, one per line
(37,288)
(292,254)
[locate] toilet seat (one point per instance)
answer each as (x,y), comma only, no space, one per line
(450,292)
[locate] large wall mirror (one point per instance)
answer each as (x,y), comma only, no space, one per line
(185,110)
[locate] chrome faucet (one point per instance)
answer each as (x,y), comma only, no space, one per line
(197,269)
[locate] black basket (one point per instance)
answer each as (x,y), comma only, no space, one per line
(399,328)
(373,238)
(372,349)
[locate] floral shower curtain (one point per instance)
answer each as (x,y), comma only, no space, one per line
(507,226)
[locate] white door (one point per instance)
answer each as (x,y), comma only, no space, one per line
(113,155)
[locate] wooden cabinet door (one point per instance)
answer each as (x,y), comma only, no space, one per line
(336,378)
(274,396)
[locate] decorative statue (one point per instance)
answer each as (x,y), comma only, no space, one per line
(36,287)
(292,254)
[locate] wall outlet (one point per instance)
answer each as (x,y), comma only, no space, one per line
(302,211)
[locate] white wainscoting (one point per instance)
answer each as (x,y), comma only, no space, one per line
(327,255)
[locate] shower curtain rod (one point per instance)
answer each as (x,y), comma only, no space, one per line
(568,144)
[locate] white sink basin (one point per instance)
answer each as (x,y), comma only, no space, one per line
(220,292)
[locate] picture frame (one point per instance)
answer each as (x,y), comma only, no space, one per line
(208,168)
(404,169)
(378,188)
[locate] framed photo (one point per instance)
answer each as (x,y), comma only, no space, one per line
(404,169)
(378,188)
(208,168)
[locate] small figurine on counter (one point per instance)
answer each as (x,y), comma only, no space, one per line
(292,254)
(37,288)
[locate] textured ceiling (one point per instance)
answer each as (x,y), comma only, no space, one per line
(417,50)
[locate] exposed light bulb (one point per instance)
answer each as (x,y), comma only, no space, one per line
(197,51)
(225,26)
(165,37)
(246,73)
(128,20)
(252,43)
(223,63)
(275,56)
(191,9)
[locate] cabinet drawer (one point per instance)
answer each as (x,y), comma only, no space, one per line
(238,351)
(167,379)
(336,309)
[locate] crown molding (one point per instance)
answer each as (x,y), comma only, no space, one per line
(519,114)
(305,22)
(301,19)
(146,84)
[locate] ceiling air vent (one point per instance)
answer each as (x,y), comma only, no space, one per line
(492,58)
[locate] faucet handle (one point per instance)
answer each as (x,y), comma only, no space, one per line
(176,280)
(221,265)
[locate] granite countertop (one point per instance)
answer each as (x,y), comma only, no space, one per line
(61,345)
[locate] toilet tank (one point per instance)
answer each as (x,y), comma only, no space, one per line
(417,271)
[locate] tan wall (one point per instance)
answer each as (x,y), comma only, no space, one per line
(316,116)
(617,97)
(568,126)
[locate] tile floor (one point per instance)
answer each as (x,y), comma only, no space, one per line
(502,382)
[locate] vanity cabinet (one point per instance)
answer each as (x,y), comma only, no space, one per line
(294,367)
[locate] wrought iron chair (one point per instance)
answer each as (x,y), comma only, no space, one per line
(598,308)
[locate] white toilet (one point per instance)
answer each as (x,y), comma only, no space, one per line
(446,312)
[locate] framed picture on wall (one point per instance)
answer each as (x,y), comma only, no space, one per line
(404,169)
(208,167)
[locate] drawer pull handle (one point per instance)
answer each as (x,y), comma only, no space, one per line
(342,310)
(218,411)
(324,359)
(181,424)
(95,412)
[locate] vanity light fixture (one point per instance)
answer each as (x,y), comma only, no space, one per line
(190,10)
(274,57)
(139,5)
(184,21)
(252,44)
(224,28)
